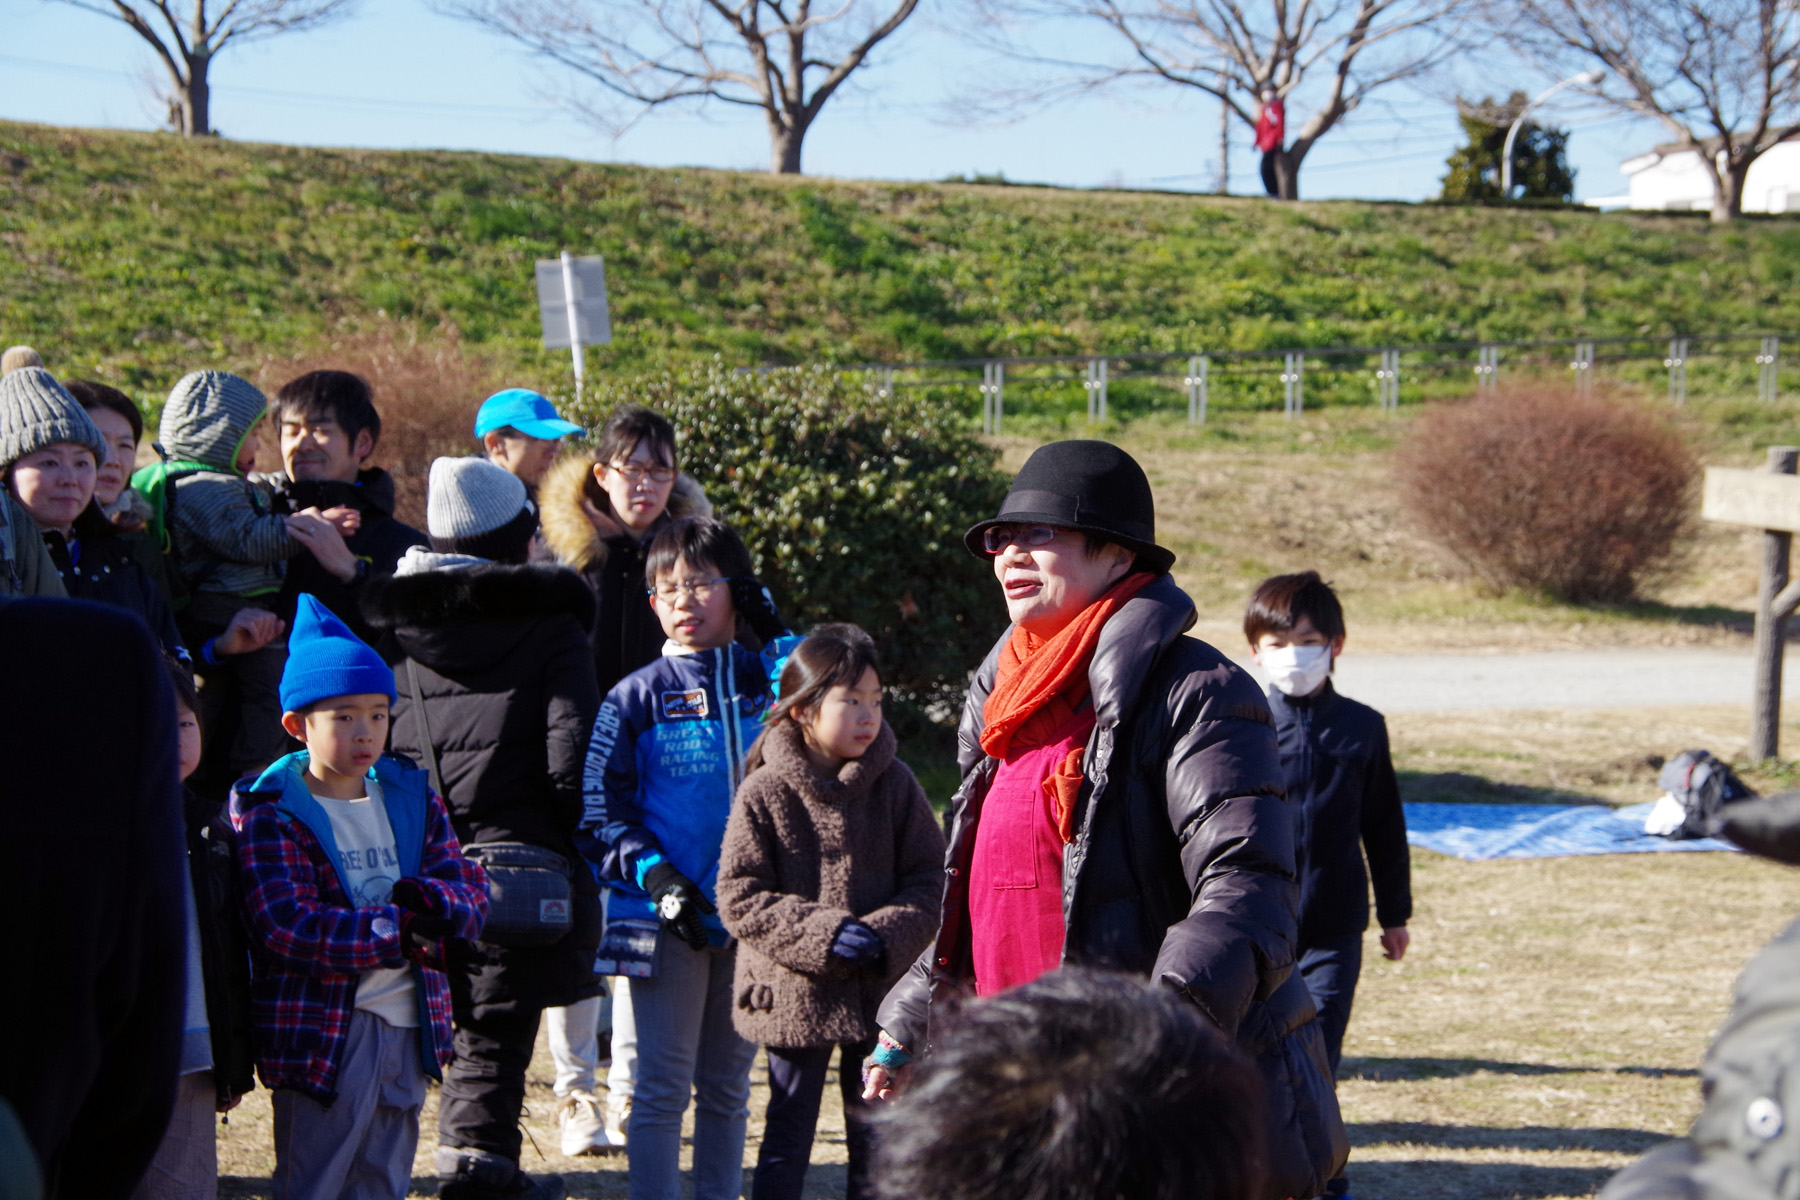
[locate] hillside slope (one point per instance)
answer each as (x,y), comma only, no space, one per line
(139,255)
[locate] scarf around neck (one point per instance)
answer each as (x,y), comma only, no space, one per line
(1040,685)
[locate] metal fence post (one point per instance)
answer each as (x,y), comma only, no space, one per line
(1096,389)
(1196,389)
(884,383)
(1487,367)
(1769,360)
(1583,366)
(987,398)
(1387,380)
(1677,364)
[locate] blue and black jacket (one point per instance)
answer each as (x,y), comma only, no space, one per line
(665,759)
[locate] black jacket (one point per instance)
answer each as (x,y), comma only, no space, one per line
(508,682)
(110,571)
(380,541)
(93,999)
(1745,1144)
(1334,759)
(626,633)
(224,944)
(1182,867)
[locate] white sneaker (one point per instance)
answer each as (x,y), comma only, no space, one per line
(583,1128)
(618,1121)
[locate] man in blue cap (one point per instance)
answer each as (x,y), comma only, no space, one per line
(519,431)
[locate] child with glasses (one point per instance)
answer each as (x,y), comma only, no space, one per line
(666,756)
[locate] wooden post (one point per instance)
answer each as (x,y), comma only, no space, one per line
(1771,624)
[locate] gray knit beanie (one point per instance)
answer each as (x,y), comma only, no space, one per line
(36,411)
(208,415)
(474,507)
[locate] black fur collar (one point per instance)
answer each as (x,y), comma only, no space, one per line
(496,591)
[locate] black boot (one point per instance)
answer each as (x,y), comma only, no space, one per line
(469,1174)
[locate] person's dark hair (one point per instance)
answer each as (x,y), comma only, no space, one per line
(620,437)
(186,694)
(1081,1085)
(345,398)
(1279,602)
(91,395)
(830,656)
(698,540)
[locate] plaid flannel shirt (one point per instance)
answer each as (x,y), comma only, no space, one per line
(311,947)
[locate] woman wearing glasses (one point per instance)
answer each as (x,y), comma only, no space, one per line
(1121,804)
(599,514)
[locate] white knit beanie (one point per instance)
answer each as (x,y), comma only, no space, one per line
(475,507)
(37,411)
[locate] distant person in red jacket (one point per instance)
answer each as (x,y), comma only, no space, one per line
(1271,131)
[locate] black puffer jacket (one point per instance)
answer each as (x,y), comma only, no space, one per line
(109,571)
(1182,867)
(224,943)
(508,682)
(379,541)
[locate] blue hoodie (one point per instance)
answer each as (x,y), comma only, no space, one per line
(664,761)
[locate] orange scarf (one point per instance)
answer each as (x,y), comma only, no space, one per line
(1041,683)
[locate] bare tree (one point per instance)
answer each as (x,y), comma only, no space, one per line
(188,42)
(1334,53)
(1722,76)
(779,56)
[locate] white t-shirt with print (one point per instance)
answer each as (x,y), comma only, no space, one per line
(369,865)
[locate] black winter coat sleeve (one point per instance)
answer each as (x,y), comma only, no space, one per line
(572,698)
(1236,833)
(1384,837)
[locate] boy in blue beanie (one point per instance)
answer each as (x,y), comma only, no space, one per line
(352,878)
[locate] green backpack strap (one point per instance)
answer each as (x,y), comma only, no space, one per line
(156,483)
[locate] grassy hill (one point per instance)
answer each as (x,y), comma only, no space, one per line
(137,256)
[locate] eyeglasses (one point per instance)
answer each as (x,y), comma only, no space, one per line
(996,538)
(695,589)
(635,474)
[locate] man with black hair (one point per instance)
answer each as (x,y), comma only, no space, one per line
(329,428)
(1080,1084)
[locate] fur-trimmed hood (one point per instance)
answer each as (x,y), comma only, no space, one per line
(569,533)
(474,616)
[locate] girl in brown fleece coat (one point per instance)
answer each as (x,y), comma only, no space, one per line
(830,878)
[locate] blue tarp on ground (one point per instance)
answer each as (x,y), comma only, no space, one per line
(1478,831)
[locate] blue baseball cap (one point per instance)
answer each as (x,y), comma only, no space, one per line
(525,411)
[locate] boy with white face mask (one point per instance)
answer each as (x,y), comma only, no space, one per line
(1340,779)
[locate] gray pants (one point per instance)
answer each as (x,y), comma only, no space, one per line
(359,1147)
(186,1166)
(685,1042)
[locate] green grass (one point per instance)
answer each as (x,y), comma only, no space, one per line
(134,257)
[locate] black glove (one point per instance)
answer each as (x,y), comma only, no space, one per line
(857,943)
(410,896)
(753,603)
(417,945)
(679,902)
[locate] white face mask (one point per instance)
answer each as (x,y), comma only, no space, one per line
(1296,670)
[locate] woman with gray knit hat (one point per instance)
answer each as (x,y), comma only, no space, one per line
(497,651)
(25,565)
(49,455)
(1122,803)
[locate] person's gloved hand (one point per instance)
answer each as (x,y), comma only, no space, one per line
(411,898)
(754,603)
(857,943)
(679,902)
(417,946)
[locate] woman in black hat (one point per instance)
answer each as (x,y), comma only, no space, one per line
(1121,803)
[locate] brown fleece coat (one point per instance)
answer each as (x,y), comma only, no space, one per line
(802,855)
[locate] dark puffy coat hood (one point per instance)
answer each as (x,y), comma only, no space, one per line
(1181,868)
(475,617)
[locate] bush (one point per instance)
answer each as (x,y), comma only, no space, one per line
(853,507)
(1579,498)
(427,393)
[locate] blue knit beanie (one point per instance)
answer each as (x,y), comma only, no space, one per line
(326,660)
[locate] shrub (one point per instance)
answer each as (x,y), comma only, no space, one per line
(854,507)
(1580,498)
(426,391)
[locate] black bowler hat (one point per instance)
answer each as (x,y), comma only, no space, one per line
(1090,487)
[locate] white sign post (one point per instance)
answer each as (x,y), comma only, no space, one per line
(572,306)
(1768,500)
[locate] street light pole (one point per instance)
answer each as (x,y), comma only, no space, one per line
(1589,78)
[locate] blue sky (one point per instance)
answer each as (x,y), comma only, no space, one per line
(398,75)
